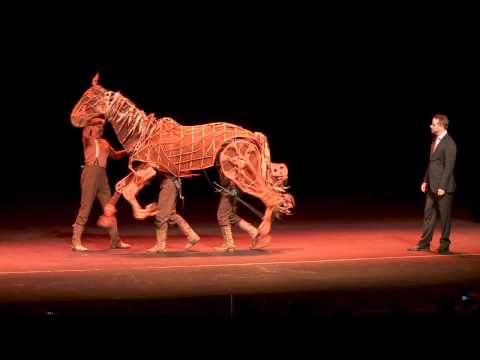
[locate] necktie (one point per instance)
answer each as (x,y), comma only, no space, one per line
(434,144)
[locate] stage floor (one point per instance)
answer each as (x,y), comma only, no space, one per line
(316,264)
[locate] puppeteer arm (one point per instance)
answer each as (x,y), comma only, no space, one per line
(114,154)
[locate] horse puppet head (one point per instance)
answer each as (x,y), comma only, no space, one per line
(92,105)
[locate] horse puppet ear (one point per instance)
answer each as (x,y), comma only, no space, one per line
(95,79)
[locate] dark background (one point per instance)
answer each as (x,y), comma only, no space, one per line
(345,97)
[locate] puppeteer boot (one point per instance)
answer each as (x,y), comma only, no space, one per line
(228,244)
(77,238)
(161,235)
(251,230)
(117,243)
(187,230)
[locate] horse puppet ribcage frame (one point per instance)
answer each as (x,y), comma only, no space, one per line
(164,145)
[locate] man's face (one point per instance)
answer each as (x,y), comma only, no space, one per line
(437,129)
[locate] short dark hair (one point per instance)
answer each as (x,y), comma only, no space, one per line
(442,120)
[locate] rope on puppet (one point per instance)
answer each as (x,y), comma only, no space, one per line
(178,184)
(234,193)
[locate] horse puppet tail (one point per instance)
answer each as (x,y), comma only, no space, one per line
(265,153)
(266,224)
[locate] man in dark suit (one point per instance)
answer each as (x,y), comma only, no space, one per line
(439,186)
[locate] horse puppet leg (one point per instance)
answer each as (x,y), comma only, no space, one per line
(107,219)
(129,191)
(240,161)
(129,187)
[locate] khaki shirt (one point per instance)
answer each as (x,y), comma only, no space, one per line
(96,151)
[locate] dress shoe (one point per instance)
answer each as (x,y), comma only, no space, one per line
(419,248)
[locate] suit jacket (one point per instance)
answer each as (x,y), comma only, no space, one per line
(441,166)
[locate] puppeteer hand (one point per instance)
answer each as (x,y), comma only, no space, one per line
(118,154)
(424,187)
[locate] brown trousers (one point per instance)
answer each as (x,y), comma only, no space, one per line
(94,183)
(167,202)
(227,210)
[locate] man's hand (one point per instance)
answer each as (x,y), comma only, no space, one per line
(117,154)
(440,192)
(424,187)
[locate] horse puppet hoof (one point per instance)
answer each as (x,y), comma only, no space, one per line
(106,221)
(262,242)
(109,210)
